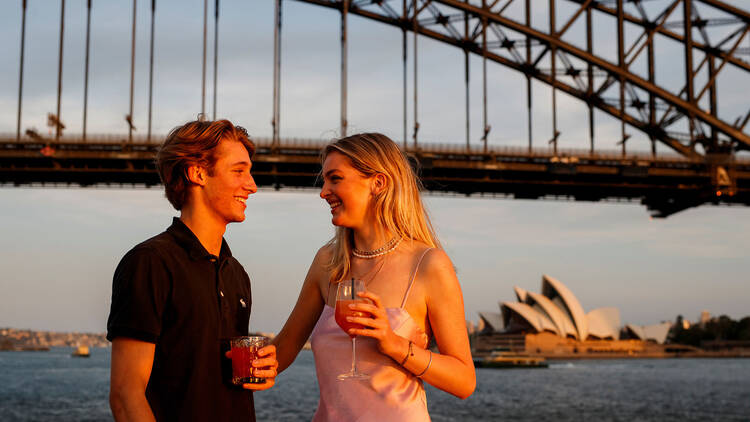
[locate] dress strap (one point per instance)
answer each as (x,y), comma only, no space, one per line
(413,277)
(328,293)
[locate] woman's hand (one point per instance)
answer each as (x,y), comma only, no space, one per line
(377,325)
(264,367)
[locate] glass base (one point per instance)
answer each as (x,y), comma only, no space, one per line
(353,376)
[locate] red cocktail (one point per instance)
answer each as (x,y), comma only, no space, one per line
(347,293)
(343,311)
(244,353)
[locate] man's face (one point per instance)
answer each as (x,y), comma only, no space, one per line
(228,187)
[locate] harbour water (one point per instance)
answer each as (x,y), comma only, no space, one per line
(53,386)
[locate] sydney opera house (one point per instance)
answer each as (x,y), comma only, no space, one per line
(554,321)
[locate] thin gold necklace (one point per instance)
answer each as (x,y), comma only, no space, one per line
(379,267)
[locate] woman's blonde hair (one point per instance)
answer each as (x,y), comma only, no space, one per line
(398,207)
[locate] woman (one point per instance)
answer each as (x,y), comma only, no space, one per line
(384,237)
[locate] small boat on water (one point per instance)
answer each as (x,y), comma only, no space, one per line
(506,359)
(81,352)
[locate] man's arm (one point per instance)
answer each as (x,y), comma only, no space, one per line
(130,370)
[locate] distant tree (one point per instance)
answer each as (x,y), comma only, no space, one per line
(676,331)
(721,328)
(743,329)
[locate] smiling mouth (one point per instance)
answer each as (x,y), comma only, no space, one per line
(240,199)
(334,205)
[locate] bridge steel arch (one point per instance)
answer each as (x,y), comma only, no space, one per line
(709,171)
(655,115)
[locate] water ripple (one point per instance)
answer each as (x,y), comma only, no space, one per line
(44,386)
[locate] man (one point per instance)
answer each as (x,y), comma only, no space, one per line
(178,297)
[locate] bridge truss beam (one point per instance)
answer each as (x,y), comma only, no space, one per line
(665,186)
(656,117)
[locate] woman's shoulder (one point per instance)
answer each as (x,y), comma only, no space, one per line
(435,266)
(425,252)
(324,254)
(430,258)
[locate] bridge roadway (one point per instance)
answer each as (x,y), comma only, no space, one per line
(665,185)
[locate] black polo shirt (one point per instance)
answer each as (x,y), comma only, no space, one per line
(171,292)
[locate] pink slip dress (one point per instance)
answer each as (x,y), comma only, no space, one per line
(390,394)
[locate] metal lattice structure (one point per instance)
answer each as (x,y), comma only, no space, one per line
(560,53)
(484,28)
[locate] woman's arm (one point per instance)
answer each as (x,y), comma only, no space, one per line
(305,314)
(451,370)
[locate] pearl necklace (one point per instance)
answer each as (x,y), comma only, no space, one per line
(385,249)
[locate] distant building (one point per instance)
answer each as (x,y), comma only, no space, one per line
(490,322)
(470,327)
(554,323)
(656,333)
(480,325)
(704,318)
(556,310)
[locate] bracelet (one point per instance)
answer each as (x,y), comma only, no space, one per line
(428,364)
(408,353)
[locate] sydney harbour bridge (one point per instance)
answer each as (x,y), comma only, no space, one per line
(706,160)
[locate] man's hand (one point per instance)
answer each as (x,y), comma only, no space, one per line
(264,367)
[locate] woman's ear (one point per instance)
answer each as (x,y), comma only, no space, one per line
(379,183)
(197,175)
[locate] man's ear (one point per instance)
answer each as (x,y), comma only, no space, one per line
(379,183)
(196,174)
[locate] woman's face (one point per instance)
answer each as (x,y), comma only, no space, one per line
(347,191)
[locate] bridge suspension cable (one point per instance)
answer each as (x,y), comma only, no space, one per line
(57,121)
(86,69)
(216,52)
(20,71)
(129,117)
(275,120)
(203,73)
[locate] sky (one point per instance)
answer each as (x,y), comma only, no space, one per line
(60,245)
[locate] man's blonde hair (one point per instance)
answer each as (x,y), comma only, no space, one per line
(194,143)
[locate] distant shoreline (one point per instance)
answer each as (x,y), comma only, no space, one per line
(687,355)
(12,339)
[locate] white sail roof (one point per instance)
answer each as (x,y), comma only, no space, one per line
(656,332)
(552,289)
(492,320)
(556,315)
(538,321)
(604,323)
(520,294)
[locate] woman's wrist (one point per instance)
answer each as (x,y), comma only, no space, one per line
(397,348)
(409,352)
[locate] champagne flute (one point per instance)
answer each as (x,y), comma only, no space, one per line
(346,294)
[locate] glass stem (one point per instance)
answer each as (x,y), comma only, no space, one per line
(354,355)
